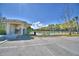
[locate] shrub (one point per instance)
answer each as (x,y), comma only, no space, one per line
(2,32)
(29,29)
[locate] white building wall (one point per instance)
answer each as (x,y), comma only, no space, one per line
(10,29)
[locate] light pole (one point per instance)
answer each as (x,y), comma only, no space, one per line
(76,18)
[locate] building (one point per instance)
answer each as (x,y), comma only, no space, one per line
(14,26)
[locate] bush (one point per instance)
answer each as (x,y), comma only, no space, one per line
(2,32)
(29,29)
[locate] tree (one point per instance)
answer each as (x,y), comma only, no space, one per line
(2,27)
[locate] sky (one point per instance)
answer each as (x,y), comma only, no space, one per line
(38,14)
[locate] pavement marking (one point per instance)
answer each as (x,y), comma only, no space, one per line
(3,42)
(32,44)
(24,45)
(49,51)
(67,49)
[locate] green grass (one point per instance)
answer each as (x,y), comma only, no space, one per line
(73,35)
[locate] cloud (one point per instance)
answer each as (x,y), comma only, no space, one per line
(37,25)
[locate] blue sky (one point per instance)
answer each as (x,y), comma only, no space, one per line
(45,13)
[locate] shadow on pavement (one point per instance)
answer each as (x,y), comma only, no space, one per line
(15,37)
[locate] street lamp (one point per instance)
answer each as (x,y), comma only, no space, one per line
(76,18)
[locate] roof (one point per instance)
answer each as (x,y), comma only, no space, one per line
(14,20)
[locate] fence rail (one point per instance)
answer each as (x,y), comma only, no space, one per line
(54,32)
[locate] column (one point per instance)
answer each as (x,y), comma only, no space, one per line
(26,30)
(7,28)
(21,30)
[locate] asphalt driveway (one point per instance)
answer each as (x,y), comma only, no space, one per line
(41,46)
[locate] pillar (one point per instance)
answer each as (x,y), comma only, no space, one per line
(7,28)
(21,30)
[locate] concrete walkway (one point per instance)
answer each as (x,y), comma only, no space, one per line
(41,46)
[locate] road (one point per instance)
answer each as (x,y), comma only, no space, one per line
(42,46)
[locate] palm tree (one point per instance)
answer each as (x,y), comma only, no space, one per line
(67,18)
